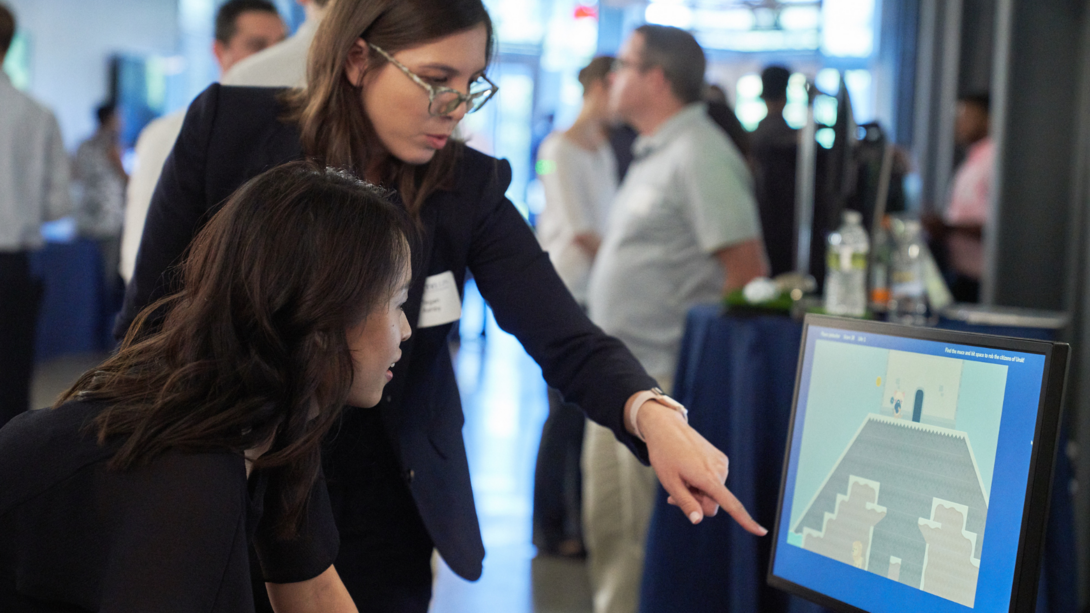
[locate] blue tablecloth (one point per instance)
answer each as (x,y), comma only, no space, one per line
(75,313)
(737,376)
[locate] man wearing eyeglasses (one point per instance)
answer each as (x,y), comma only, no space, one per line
(683,230)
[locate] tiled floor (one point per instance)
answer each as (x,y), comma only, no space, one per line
(504,401)
(503,397)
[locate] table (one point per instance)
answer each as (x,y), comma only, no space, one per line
(75,315)
(737,376)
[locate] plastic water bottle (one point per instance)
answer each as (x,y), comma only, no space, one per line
(908,293)
(846,269)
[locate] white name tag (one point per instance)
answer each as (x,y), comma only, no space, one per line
(441,303)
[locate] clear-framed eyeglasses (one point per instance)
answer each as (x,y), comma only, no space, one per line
(443,100)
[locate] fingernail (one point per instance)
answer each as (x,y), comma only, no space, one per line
(764,531)
(695,517)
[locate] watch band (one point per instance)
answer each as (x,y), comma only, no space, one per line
(659,396)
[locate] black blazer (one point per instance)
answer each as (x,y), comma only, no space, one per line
(233,133)
(172,534)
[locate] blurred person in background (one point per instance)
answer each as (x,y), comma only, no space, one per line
(959,232)
(682,230)
(621,137)
(773,131)
(242,28)
(100,207)
(388,81)
(33,189)
(722,113)
(775,158)
(579,174)
(285,63)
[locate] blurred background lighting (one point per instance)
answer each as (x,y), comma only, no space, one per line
(800,18)
(795,111)
(664,14)
(731,19)
(825,110)
(848,28)
(828,81)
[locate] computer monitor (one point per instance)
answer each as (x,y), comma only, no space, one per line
(918,468)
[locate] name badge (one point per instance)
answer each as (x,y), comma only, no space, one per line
(441,303)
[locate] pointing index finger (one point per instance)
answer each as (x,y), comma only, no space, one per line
(735,509)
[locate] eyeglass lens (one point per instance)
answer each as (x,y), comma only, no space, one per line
(445,102)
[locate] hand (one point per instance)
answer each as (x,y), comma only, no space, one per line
(691,469)
(589,242)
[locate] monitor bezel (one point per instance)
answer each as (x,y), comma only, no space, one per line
(1042,459)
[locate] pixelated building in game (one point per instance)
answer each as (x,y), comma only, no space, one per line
(906,499)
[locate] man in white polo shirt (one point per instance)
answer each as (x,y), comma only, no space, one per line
(243,28)
(285,63)
(683,230)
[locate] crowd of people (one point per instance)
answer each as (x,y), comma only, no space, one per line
(293,248)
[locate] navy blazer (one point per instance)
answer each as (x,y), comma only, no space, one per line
(232,134)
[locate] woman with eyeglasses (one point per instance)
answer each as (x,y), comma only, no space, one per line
(387,83)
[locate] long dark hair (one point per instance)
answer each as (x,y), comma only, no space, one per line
(253,349)
(332,123)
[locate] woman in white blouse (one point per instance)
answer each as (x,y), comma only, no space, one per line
(579,173)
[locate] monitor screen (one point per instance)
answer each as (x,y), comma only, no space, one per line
(912,460)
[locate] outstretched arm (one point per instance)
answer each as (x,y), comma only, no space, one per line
(690,468)
(594,370)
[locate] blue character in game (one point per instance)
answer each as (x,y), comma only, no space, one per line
(897,400)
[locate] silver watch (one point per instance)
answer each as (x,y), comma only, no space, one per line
(662,398)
